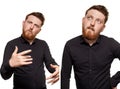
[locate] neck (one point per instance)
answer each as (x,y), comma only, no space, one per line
(90,42)
(29,41)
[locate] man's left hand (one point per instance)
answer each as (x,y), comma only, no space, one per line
(54,77)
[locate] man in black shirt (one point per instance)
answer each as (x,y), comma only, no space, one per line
(91,54)
(26,55)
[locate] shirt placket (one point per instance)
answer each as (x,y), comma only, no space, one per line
(90,59)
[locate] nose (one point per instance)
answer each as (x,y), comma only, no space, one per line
(32,26)
(92,23)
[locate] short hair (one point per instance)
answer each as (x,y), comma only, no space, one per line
(39,15)
(101,9)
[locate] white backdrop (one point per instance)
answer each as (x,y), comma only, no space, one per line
(63,22)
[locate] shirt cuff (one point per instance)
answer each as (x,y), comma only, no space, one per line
(8,67)
(114,82)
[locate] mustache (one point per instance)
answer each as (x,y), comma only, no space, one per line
(91,28)
(29,30)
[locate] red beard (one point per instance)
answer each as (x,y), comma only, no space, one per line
(89,34)
(28,35)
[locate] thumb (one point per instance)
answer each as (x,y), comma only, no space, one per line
(53,66)
(16,50)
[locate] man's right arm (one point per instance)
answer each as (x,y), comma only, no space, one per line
(66,68)
(6,70)
(13,59)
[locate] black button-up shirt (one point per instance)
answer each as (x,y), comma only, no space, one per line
(91,64)
(29,76)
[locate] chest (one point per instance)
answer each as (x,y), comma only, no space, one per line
(91,56)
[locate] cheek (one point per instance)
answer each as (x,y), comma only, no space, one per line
(36,31)
(26,28)
(98,29)
(86,24)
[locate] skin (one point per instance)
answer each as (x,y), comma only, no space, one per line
(92,25)
(31,27)
(114,87)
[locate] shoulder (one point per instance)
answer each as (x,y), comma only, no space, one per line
(41,42)
(10,45)
(107,39)
(13,41)
(74,40)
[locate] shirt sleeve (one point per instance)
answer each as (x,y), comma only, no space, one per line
(6,70)
(49,59)
(116,52)
(66,68)
(115,79)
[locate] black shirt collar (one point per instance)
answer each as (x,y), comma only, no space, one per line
(23,40)
(82,40)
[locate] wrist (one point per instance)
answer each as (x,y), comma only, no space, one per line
(10,63)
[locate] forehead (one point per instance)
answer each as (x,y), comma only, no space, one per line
(34,19)
(96,14)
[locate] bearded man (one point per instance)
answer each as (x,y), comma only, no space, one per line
(26,56)
(91,54)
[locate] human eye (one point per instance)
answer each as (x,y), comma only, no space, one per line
(98,21)
(89,18)
(29,22)
(37,26)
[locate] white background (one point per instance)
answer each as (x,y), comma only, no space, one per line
(63,22)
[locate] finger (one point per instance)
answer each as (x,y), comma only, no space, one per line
(52,81)
(55,80)
(53,74)
(53,66)
(28,60)
(56,73)
(53,77)
(27,63)
(25,52)
(56,67)
(16,50)
(24,57)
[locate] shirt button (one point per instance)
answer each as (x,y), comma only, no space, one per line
(90,70)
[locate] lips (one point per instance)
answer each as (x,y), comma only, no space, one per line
(91,28)
(29,31)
